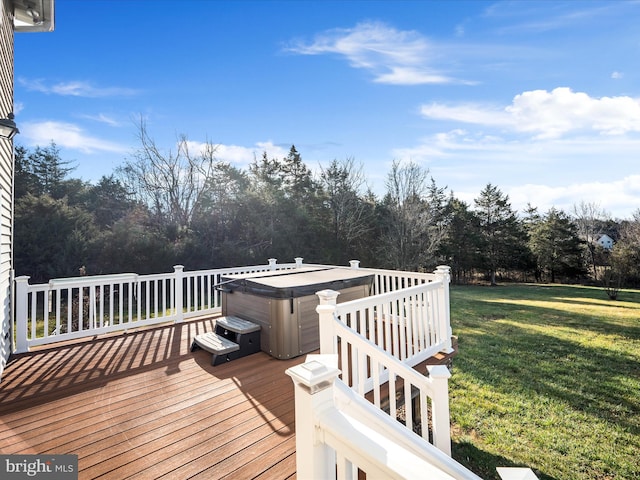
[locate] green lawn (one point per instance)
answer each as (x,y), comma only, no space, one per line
(548,377)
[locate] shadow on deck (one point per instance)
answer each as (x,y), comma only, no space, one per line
(142,405)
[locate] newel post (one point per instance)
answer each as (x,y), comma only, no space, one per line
(439,377)
(326,310)
(178,298)
(313,386)
(21,306)
(272,263)
(444,312)
(355,264)
(298,261)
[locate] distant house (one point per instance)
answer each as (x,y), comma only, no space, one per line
(605,241)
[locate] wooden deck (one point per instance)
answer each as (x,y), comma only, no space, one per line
(141,405)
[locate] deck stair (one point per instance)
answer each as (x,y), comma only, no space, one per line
(233,338)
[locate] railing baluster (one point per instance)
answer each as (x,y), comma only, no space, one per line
(188,309)
(58,302)
(375,370)
(92,307)
(147,299)
(362,371)
(415,324)
(112,295)
(121,303)
(34,315)
(424,411)
(156,299)
(138,293)
(130,302)
(345,364)
(403,325)
(80,307)
(393,408)
(203,296)
(46,309)
(163,297)
(69,309)
(386,319)
(408,405)
(195,301)
(100,306)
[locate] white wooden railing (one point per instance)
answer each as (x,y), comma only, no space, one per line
(378,339)
(407,314)
(70,308)
(338,433)
(368,348)
(372,345)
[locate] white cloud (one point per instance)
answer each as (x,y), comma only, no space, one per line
(621,196)
(102,118)
(393,56)
(545,172)
(240,155)
(67,135)
(75,89)
(468,113)
(409,76)
(538,17)
(18,107)
(489,150)
(548,114)
(554,113)
(617,75)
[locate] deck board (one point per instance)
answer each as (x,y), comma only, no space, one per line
(141,405)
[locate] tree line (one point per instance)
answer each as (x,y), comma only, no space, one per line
(162,208)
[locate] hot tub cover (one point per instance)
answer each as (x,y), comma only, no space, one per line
(300,282)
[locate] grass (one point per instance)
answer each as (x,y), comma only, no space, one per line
(546,377)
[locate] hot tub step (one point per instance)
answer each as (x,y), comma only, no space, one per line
(236,324)
(241,331)
(234,338)
(222,349)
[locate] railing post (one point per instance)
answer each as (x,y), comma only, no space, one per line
(355,264)
(444,312)
(272,263)
(21,318)
(439,376)
(178,299)
(326,309)
(313,385)
(298,261)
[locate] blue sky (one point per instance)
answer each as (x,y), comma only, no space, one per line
(541,98)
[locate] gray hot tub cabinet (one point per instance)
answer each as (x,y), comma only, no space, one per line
(284,304)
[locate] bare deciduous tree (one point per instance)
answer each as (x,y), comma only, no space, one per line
(170,184)
(589,217)
(413,230)
(344,182)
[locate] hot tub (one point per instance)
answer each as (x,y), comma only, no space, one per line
(284,304)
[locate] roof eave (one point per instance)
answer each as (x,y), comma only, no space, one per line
(45,10)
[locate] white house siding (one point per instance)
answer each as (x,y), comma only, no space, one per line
(6,183)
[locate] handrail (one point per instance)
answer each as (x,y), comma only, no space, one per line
(349,403)
(386,369)
(339,434)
